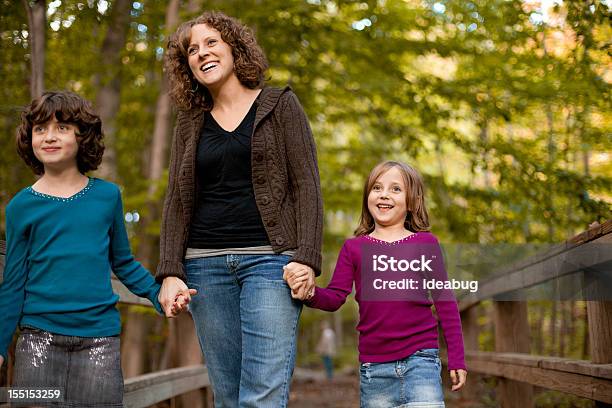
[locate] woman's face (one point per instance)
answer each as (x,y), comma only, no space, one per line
(210,58)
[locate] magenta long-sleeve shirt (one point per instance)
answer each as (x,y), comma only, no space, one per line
(391,330)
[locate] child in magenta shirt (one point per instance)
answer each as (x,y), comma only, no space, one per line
(398,340)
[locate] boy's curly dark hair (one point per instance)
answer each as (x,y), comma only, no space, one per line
(70,108)
(250,62)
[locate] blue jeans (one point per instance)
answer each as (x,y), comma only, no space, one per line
(246,322)
(329,366)
(414,382)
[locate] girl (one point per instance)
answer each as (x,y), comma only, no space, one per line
(65,234)
(398,342)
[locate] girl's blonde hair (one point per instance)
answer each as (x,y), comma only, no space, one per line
(417,218)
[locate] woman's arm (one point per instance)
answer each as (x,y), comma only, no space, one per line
(305,182)
(172,234)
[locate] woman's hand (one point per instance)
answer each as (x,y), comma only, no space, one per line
(458,378)
(174,296)
(300,279)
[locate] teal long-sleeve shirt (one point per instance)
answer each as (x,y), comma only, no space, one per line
(59,256)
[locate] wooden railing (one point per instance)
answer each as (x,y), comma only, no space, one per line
(511,362)
(148,389)
(517,370)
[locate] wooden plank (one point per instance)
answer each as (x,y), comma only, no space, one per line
(512,335)
(569,261)
(600,331)
(589,235)
(559,378)
(146,390)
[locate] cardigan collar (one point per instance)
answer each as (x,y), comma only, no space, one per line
(268,99)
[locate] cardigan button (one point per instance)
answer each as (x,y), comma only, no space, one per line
(279,241)
(259,156)
(260,180)
(271,223)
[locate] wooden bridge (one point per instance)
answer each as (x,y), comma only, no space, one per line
(518,371)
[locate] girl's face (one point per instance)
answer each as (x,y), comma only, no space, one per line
(387,199)
(55,144)
(210,58)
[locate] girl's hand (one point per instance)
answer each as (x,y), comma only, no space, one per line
(458,378)
(300,279)
(171,290)
(181,303)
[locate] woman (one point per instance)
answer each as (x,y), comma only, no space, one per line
(243,203)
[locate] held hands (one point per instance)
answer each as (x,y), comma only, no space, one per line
(174,296)
(458,378)
(300,279)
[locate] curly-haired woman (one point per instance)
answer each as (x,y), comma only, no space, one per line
(243,204)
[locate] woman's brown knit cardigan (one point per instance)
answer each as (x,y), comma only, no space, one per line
(285,181)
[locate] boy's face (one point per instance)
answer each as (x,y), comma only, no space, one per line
(55,144)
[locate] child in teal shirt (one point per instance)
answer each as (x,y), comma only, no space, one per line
(65,234)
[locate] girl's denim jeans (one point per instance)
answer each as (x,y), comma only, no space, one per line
(246,322)
(414,382)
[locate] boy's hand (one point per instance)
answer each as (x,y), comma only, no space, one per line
(458,378)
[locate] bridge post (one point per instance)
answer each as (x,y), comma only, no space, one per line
(600,334)
(512,335)
(469,323)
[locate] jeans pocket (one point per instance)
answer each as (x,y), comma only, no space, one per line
(270,267)
(365,372)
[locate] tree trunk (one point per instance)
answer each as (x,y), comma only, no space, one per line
(37,24)
(108,81)
(137,327)
(189,353)
(134,336)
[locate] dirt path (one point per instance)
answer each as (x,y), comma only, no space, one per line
(340,392)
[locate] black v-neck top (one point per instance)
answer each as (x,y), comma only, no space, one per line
(226,214)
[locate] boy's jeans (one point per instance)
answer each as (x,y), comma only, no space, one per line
(414,382)
(246,322)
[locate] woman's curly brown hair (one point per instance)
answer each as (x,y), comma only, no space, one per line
(66,107)
(250,63)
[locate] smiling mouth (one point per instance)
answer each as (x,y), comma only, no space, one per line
(384,207)
(50,149)
(208,67)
